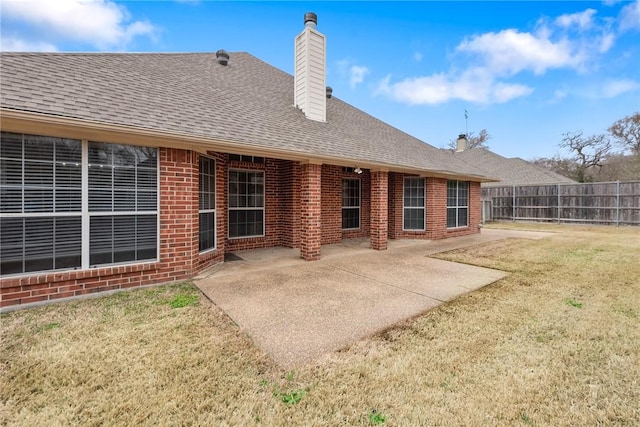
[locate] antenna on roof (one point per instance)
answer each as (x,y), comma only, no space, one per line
(466,122)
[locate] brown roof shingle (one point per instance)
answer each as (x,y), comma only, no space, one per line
(248,103)
(510,171)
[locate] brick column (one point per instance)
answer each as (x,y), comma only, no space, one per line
(178,213)
(310,210)
(379,210)
(436,207)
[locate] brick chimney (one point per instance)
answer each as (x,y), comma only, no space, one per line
(461,143)
(310,71)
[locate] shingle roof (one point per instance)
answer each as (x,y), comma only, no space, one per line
(510,171)
(248,102)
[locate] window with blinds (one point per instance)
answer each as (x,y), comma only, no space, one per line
(414,204)
(457,204)
(207,203)
(246,203)
(42,199)
(350,204)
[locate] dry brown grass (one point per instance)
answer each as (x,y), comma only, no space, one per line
(519,352)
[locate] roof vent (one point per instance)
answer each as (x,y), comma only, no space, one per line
(310,19)
(329,92)
(222,57)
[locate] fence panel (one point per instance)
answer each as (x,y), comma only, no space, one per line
(615,203)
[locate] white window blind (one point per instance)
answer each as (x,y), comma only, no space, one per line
(41,203)
(414,204)
(457,204)
(350,204)
(246,203)
(207,204)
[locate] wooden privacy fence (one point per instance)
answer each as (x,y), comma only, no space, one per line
(615,203)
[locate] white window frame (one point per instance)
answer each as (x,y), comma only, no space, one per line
(85,215)
(86,261)
(252,208)
(422,208)
(359,207)
(208,211)
(246,158)
(457,207)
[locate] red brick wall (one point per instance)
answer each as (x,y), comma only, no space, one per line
(436,210)
(332,177)
(282,205)
(331,204)
(436,207)
(178,246)
(310,211)
(289,195)
(302,209)
(379,210)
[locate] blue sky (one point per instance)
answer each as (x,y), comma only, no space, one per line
(525,71)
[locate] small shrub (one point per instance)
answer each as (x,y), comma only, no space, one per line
(293,397)
(574,303)
(376,418)
(183,300)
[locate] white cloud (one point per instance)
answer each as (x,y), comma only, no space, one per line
(10,44)
(492,61)
(101,23)
(510,52)
(356,75)
(559,94)
(582,20)
(630,16)
(614,88)
(472,86)
(606,42)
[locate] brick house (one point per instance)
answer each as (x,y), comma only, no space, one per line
(123,170)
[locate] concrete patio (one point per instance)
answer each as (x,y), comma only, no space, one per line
(297,310)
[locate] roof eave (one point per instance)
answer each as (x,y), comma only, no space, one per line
(61,126)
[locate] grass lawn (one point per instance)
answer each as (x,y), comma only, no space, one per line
(557,342)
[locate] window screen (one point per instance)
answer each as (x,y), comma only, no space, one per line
(41,203)
(414,204)
(207,204)
(350,204)
(457,204)
(246,203)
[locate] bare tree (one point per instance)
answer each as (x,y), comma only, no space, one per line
(589,152)
(626,132)
(563,166)
(473,141)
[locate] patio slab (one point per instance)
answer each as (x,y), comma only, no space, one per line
(298,311)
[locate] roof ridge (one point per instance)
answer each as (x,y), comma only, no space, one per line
(28,53)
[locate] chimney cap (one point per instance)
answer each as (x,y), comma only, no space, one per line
(310,19)
(222,57)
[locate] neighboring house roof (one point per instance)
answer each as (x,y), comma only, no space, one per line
(248,103)
(510,171)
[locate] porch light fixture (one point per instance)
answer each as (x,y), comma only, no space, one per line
(357,170)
